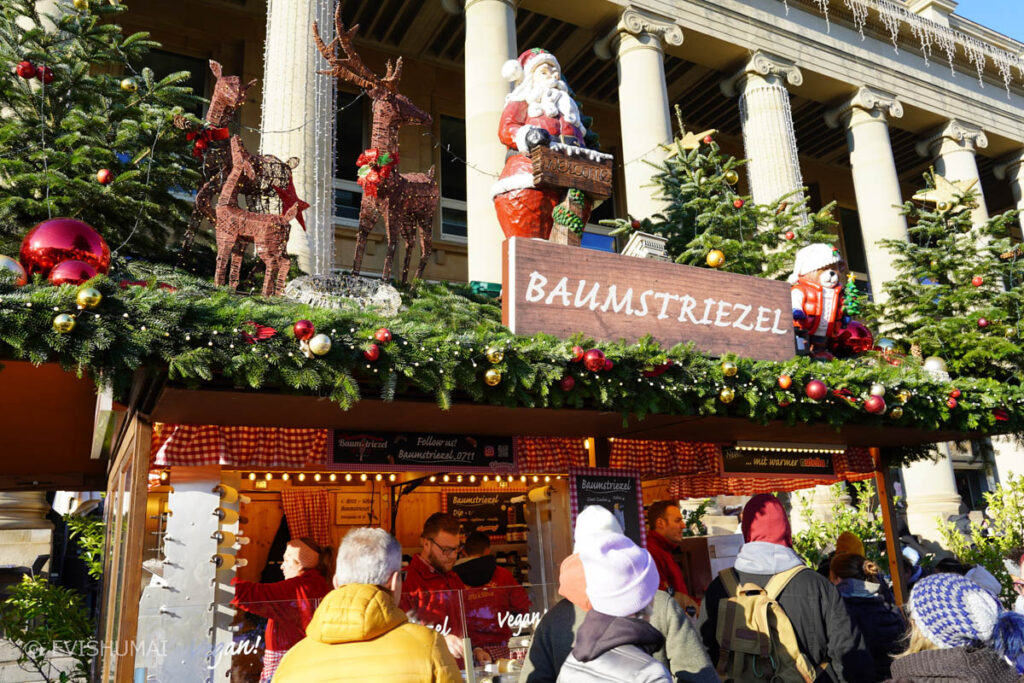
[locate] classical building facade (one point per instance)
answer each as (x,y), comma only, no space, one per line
(853,100)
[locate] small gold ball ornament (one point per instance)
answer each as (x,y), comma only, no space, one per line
(726,395)
(942,206)
(1010,332)
(732,177)
(129,85)
(81,4)
(729,369)
(896,413)
(64,323)
(494,354)
(903,396)
(716,259)
(89,298)
(492,377)
(877,389)
(320,344)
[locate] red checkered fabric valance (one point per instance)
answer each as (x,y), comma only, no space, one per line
(195,445)
(308,512)
(541,455)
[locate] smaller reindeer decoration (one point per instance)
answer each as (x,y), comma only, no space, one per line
(236,227)
(407,201)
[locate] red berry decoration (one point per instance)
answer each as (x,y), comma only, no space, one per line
(977,281)
(45,74)
(303,330)
(708,139)
(567,383)
(816,389)
(593,360)
(738,203)
(372,353)
(955,393)
(26,70)
(789,235)
(71,272)
(383,335)
(608,364)
(104,176)
(635,225)
(982,323)
(785,381)
(61,239)
(577,354)
(783,404)
(874,405)
(951,403)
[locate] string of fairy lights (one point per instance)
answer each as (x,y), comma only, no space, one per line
(317,477)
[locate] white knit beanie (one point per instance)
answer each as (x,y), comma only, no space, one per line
(593,521)
(812,257)
(621,576)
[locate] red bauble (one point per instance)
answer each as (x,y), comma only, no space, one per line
(983,322)
(783,404)
(71,272)
(951,403)
(738,203)
(593,360)
(789,235)
(26,70)
(383,335)
(977,281)
(635,225)
(851,340)
(955,393)
(45,74)
(372,353)
(816,389)
(63,239)
(708,139)
(874,405)
(567,383)
(303,330)
(577,354)
(104,176)
(785,381)
(608,364)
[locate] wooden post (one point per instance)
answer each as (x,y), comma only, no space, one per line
(891,542)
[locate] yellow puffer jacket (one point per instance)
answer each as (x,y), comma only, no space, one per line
(358,634)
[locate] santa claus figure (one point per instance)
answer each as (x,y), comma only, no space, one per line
(539,111)
(817,293)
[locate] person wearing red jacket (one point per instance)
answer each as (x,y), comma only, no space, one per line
(288,605)
(492,597)
(666,525)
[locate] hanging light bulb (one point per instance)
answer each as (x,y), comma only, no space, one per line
(379,477)
(362,477)
(252,476)
(348,477)
(445,478)
(269,476)
(302,476)
(285,477)
(392,477)
(333,477)
(316,477)
(472,478)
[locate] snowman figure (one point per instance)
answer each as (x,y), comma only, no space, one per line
(817,294)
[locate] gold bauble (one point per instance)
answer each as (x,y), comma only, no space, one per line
(89,297)
(877,389)
(896,413)
(732,177)
(903,395)
(934,364)
(81,4)
(129,85)
(492,377)
(726,395)
(942,206)
(716,259)
(494,354)
(729,369)
(64,323)
(320,344)
(1010,332)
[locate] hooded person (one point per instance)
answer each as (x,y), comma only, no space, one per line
(612,643)
(552,642)
(959,632)
(812,604)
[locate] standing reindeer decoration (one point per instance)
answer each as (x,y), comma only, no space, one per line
(407,201)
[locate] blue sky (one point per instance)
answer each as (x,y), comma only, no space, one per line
(1004,16)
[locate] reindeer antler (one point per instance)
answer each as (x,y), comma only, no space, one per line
(393,75)
(350,67)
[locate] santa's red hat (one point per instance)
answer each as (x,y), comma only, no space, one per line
(516,70)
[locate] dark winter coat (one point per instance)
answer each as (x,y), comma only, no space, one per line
(823,628)
(954,665)
(614,649)
(881,625)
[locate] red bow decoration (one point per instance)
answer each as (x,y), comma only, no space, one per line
(259,332)
(846,394)
(204,137)
(375,167)
(1000,415)
(659,370)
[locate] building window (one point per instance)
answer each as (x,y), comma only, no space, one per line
(852,244)
(350,141)
(453,179)
(163,64)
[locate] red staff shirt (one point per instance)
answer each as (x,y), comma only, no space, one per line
(433,598)
(671,573)
(288,605)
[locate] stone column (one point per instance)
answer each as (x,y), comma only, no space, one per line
(953,146)
(931,495)
(298,120)
(1011,168)
(636,43)
(25,533)
(490,42)
(768,138)
(864,116)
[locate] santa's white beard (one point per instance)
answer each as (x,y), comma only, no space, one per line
(547,97)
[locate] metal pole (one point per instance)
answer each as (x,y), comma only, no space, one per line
(891,542)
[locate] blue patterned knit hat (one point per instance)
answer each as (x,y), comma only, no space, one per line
(951,610)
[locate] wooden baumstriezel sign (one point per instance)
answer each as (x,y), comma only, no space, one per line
(562,290)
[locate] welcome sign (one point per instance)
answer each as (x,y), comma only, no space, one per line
(561,290)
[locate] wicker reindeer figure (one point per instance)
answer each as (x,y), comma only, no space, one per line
(236,227)
(407,201)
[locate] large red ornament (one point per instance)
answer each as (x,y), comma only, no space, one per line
(951,403)
(383,335)
(955,393)
(304,330)
(7,263)
(567,383)
(982,323)
(816,389)
(977,281)
(62,239)
(26,70)
(874,405)
(785,381)
(372,353)
(789,235)
(708,139)
(71,272)
(593,360)
(738,203)
(577,354)
(45,74)
(608,364)
(851,340)
(104,176)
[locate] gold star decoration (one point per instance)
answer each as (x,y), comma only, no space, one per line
(690,141)
(945,193)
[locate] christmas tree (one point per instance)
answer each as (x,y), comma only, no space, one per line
(84,134)
(706,214)
(958,295)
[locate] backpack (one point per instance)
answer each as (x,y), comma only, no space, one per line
(756,639)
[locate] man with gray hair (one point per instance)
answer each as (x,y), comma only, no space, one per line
(358,633)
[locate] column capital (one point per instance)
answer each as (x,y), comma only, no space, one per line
(967,134)
(639,22)
(765,66)
(458,6)
(874,102)
(1009,165)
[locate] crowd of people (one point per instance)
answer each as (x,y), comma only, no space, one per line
(624,615)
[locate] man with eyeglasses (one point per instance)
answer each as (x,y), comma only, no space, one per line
(432,592)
